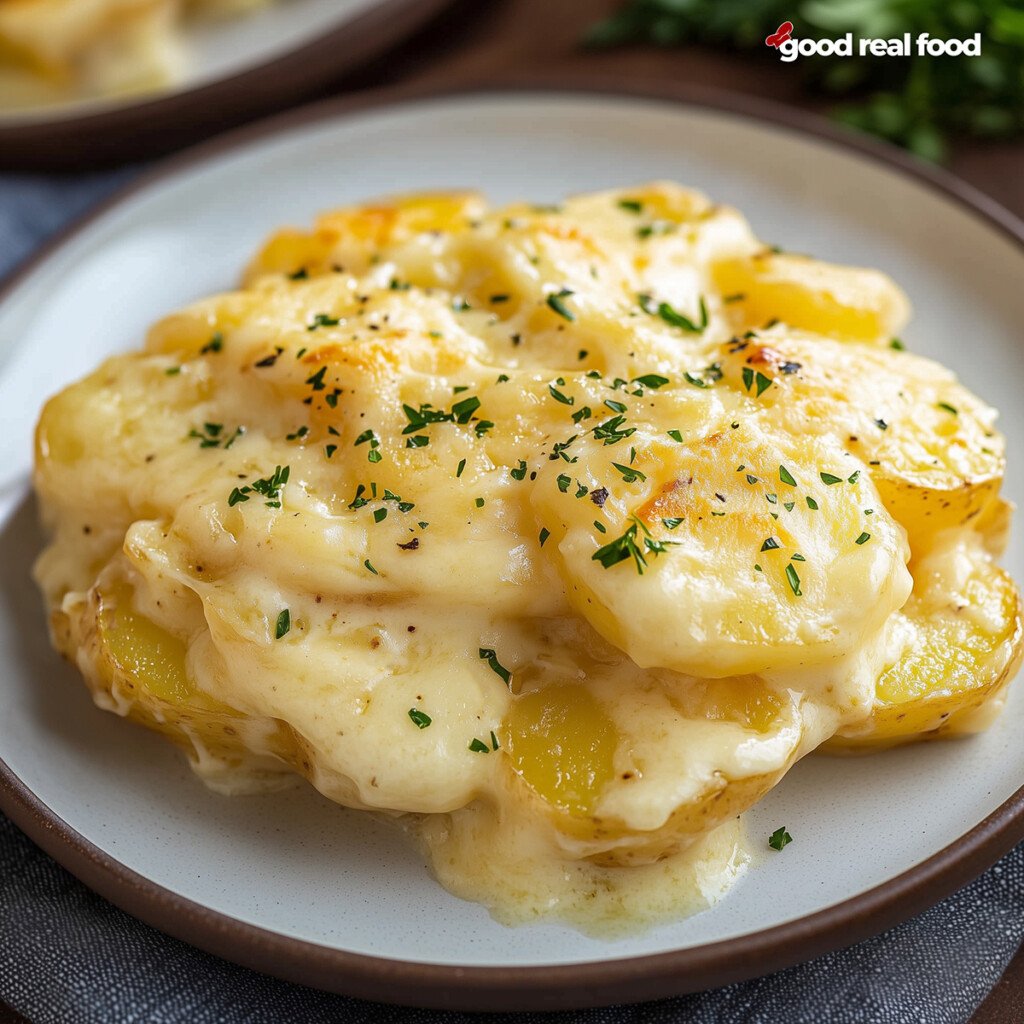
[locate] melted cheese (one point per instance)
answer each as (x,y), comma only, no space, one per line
(512,524)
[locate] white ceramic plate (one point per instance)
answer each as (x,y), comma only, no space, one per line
(874,838)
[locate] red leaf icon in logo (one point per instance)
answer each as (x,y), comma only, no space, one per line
(778,38)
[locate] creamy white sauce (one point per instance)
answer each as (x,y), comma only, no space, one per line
(521,877)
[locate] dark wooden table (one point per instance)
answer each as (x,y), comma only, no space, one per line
(477,40)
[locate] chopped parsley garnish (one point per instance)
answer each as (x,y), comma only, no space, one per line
(520,472)
(671,523)
(419,418)
(559,397)
(284,623)
(544,534)
(673,317)
(794,580)
(212,435)
(898,345)
(651,380)
(369,565)
(487,654)
(708,377)
(811,503)
(463,411)
(563,482)
(380,514)
(459,469)
(299,275)
(830,478)
(625,547)
(881,424)
(172,371)
(951,409)
(558,450)
(629,474)
(419,718)
(779,839)
(479,747)
(676,435)
(658,227)
(863,538)
(611,432)
(582,414)
(215,344)
(479,502)
(770,544)
(786,477)
(270,360)
(853,477)
(756,379)
(316,381)
(631,205)
(556,301)
(270,487)
(499,298)
(323,320)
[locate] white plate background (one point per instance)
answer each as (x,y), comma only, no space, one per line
(294,863)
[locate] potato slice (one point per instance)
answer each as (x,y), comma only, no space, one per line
(930,444)
(841,302)
(627,768)
(738,552)
(957,642)
(137,669)
(355,237)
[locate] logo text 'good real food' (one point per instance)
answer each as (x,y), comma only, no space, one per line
(907,45)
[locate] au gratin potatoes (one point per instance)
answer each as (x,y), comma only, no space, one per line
(559,533)
(53,51)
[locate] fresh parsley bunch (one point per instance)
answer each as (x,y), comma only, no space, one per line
(916,102)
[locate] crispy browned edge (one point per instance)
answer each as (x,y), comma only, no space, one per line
(166,122)
(578,985)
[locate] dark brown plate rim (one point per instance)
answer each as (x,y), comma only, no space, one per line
(578,985)
(165,121)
